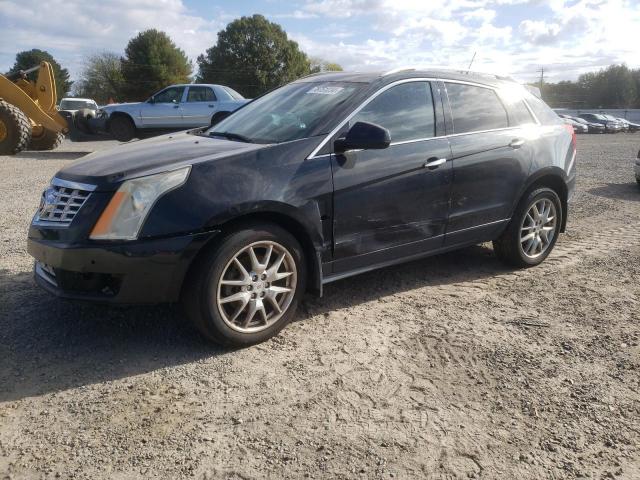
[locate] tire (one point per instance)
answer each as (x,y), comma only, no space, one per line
(234,323)
(15,129)
(218,117)
(122,128)
(510,248)
(81,120)
(49,140)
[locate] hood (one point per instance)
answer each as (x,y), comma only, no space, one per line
(110,167)
(118,106)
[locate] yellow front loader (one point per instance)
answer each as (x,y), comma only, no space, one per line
(28,115)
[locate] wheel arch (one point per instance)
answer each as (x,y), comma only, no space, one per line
(120,114)
(554,178)
(284,221)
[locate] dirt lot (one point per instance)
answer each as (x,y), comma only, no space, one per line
(450,367)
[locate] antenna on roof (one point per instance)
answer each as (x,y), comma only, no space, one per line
(471,62)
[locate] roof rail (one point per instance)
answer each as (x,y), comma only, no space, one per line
(398,70)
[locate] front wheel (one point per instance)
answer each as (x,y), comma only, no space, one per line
(122,128)
(248,288)
(533,230)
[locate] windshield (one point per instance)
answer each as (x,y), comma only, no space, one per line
(76,104)
(289,113)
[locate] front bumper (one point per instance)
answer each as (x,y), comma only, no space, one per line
(145,271)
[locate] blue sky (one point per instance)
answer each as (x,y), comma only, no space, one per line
(514,37)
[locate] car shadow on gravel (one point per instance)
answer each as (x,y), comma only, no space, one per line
(466,265)
(618,191)
(49,345)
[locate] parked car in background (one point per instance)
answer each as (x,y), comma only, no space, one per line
(333,175)
(177,107)
(592,127)
(629,126)
(72,105)
(611,118)
(577,126)
(611,126)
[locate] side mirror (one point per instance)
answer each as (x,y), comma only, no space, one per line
(363,136)
(152,99)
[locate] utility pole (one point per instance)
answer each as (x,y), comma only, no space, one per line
(541,77)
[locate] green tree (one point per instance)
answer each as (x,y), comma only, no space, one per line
(101,78)
(32,58)
(612,87)
(252,55)
(151,62)
(318,65)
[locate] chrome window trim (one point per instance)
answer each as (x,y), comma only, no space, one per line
(361,106)
(321,145)
(58,182)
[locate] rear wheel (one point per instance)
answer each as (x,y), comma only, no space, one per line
(47,140)
(533,230)
(248,288)
(15,129)
(122,128)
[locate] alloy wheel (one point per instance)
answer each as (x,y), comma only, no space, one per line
(256,287)
(538,228)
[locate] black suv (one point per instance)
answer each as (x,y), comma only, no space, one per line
(326,177)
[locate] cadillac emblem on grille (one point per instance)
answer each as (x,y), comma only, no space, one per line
(60,204)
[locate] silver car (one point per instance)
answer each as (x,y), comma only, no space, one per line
(175,107)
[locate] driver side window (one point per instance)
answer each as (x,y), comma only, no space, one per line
(170,95)
(406,110)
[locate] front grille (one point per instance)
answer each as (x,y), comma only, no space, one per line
(62,201)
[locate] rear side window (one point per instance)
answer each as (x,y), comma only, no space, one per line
(475,108)
(519,114)
(545,115)
(406,110)
(200,94)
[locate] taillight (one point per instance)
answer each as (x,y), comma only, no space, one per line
(573,135)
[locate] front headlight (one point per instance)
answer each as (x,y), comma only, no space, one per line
(130,205)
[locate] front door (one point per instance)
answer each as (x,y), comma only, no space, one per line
(199,107)
(165,111)
(394,202)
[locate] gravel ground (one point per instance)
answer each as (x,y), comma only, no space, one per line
(450,367)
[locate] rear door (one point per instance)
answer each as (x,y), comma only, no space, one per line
(492,157)
(166,109)
(199,106)
(387,204)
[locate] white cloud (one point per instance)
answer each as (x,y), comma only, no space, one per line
(77,27)
(566,36)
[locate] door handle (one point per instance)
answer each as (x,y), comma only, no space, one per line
(176,106)
(211,106)
(517,142)
(434,162)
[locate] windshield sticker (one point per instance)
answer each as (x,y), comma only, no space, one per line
(320,90)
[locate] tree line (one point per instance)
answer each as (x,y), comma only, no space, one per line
(252,55)
(616,86)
